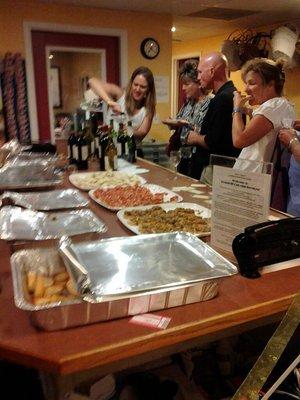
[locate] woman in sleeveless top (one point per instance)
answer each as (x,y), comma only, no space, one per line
(137,101)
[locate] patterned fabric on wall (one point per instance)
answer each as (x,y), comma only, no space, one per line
(15,101)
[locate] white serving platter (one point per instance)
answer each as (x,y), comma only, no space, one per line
(168,195)
(99,179)
(175,122)
(199,210)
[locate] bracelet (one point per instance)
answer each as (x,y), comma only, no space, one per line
(293,140)
(237,110)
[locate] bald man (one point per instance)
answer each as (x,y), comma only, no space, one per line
(215,136)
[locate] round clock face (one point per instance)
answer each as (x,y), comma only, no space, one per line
(150,48)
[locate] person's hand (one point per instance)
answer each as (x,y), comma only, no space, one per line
(240,100)
(297,124)
(115,107)
(192,138)
(286,135)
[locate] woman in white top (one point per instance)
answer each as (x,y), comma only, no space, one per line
(137,102)
(264,80)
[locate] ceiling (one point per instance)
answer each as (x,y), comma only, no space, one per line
(203,18)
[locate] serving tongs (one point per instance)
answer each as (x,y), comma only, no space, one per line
(76,269)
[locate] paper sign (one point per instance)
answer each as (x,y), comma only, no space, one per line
(162,88)
(239,199)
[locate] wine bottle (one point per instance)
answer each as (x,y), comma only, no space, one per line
(111,154)
(71,145)
(131,143)
(87,133)
(97,136)
(103,140)
(122,141)
(82,148)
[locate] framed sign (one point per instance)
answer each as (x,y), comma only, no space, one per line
(55,87)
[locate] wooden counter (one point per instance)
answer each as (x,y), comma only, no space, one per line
(114,345)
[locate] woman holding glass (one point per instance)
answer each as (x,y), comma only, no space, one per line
(190,116)
(264,81)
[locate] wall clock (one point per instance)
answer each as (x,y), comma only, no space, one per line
(150,48)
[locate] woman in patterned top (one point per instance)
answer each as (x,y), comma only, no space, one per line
(191,114)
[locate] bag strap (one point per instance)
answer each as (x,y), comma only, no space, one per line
(277,165)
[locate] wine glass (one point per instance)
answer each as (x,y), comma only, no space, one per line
(185,152)
(175,157)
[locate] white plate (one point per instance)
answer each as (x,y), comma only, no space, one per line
(100,179)
(153,188)
(175,122)
(202,211)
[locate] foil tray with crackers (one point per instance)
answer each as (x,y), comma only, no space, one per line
(121,277)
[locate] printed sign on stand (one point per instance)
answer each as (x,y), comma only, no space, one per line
(240,197)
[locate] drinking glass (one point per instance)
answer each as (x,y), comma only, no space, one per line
(72,169)
(186,152)
(175,157)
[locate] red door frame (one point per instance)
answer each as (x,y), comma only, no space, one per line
(41,39)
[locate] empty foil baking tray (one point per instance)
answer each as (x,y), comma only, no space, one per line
(28,175)
(19,224)
(51,200)
(119,267)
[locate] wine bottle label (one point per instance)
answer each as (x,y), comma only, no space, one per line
(107,165)
(75,152)
(126,149)
(119,149)
(84,152)
(93,148)
(115,166)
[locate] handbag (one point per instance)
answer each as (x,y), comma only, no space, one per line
(266,243)
(280,180)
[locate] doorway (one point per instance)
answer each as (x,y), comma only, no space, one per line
(39,37)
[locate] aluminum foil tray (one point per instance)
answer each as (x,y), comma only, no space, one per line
(52,200)
(19,224)
(28,175)
(76,312)
(120,267)
(29,157)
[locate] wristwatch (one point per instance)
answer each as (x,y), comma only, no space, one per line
(293,140)
(237,110)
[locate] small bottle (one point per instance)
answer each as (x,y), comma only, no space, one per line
(111,154)
(131,143)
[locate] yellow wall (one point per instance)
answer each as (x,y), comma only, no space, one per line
(138,26)
(292,85)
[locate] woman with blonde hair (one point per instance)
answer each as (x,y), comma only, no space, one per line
(264,81)
(137,102)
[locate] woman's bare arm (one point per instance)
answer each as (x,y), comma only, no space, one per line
(108,92)
(244,136)
(289,139)
(144,128)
